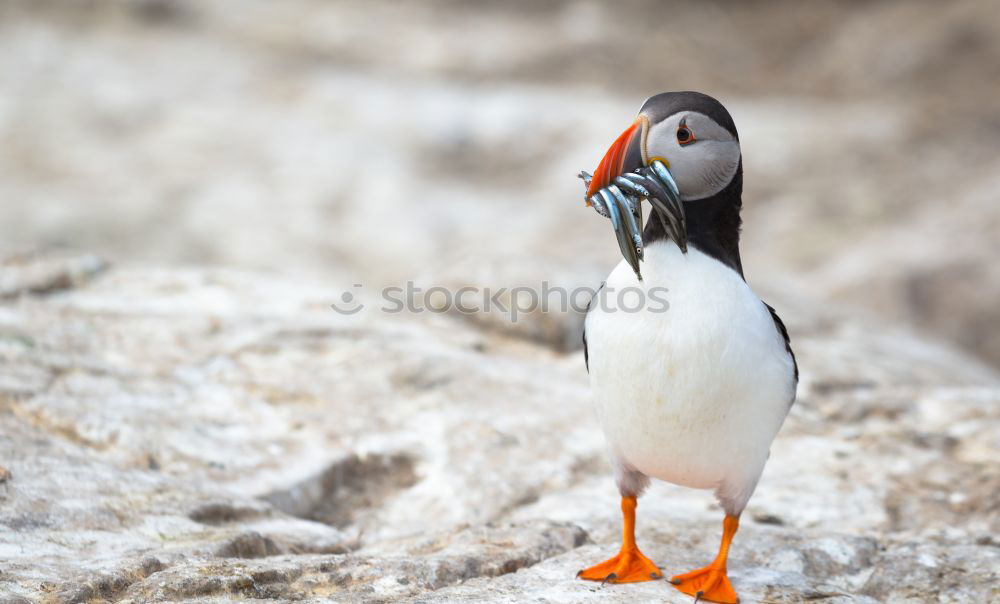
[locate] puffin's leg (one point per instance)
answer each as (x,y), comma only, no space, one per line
(629,565)
(711,583)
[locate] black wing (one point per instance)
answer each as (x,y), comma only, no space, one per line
(788,342)
(586,353)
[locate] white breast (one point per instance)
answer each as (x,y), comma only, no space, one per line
(694,394)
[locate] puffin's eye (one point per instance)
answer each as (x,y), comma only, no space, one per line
(684,135)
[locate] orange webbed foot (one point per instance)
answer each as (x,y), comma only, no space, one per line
(709,583)
(629,566)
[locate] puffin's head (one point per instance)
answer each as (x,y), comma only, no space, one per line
(690,132)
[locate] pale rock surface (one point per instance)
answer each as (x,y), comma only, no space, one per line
(216,435)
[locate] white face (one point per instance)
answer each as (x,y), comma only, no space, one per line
(702,155)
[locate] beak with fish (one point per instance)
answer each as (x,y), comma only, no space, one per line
(622,180)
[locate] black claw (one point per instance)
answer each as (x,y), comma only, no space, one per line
(578,573)
(697,597)
(608,578)
(672,581)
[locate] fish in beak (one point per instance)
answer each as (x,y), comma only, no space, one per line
(623,178)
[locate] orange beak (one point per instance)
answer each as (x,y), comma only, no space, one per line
(625,150)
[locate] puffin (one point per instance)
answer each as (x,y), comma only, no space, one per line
(691,392)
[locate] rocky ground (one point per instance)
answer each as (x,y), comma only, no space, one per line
(173,434)
(357,141)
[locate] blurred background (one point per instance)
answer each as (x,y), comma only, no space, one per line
(374,142)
